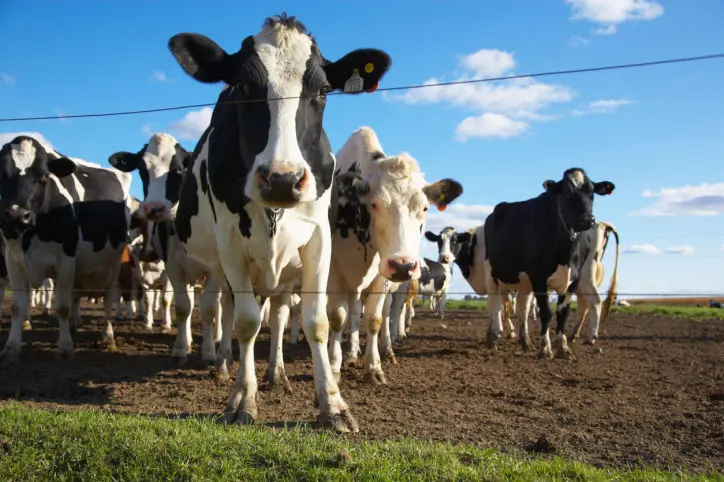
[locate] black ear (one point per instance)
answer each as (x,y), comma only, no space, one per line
(443,192)
(359,71)
(183,156)
(603,188)
(353,182)
(463,238)
(432,237)
(202,58)
(61,166)
(124,161)
(551,186)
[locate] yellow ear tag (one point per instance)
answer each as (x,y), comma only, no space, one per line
(369,68)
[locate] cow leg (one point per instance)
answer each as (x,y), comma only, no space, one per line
(441,305)
(48,298)
(338,311)
(355,314)
(218,327)
(18,309)
(523,305)
(26,319)
(594,300)
(184,303)
(397,308)
(148,296)
(278,316)
(208,306)
(374,305)
(62,306)
(495,310)
(583,309)
(108,300)
(386,350)
(74,317)
(225,355)
(294,326)
(563,308)
(167,298)
(508,310)
(546,313)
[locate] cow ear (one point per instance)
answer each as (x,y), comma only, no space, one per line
(353,182)
(551,186)
(201,58)
(61,166)
(443,192)
(124,161)
(603,188)
(359,71)
(184,156)
(432,237)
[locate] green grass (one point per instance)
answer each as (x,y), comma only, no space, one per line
(43,445)
(688,312)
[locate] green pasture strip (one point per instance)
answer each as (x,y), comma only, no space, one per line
(688,312)
(84,445)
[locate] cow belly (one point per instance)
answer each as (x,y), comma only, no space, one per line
(560,279)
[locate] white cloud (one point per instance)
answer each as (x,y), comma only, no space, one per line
(610,13)
(147,129)
(641,249)
(703,200)
(683,250)
(159,76)
(498,105)
(192,125)
(8,79)
(459,216)
(576,41)
(489,125)
(604,106)
(6,137)
(60,113)
(721,247)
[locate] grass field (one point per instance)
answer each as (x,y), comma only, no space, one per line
(41,445)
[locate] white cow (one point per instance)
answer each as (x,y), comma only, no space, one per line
(383,204)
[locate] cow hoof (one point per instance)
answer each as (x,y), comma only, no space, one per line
(10,355)
(545,354)
(343,422)
(589,342)
(389,356)
(27,326)
(66,354)
(241,417)
(512,336)
(279,380)
(492,343)
(525,343)
(166,330)
(352,362)
(376,377)
(565,354)
(222,372)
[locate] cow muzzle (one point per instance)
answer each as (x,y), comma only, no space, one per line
(20,214)
(401,269)
(281,189)
(445,259)
(584,223)
(155,211)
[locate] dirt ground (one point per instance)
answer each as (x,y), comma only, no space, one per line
(653,395)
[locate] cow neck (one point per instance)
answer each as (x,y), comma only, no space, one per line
(568,230)
(466,261)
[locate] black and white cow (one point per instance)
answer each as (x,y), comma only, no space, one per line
(259,192)
(530,246)
(382,208)
(64,219)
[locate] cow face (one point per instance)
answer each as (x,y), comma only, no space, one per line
(398,198)
(574,196)
(25,168)
(278,84)
(161,164)
(449,243)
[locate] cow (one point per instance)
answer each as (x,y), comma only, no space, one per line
(530,246)
(591,246)
(382,208)
(467,250)
(128,285)
(62,218)
(260,187)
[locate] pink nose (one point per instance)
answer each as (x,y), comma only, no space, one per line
(445,258)
(155,211)
(401,268)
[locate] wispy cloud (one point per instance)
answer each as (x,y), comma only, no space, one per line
(159,76)
(684,250)
(192,125)
(576,41)
(605,106)
(609,14)
(648,248)
(703,200)
(147,129)
(7,78)
(459,216)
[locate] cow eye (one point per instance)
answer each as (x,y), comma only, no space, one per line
(324,90)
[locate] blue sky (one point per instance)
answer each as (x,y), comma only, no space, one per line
(657,132)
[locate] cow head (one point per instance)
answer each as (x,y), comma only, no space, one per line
(25,169)
(398,198)
(449,243)
(574,196)
(278,83)
(161,164)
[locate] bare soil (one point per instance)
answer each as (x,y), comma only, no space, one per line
(651,393)
(676,301)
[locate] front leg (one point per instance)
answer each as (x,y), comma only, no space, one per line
(385,336)
(374,305)
(316,256)
(208,306)
(338,312)
(495,310)
(18,310)
(546,313)
(278,317)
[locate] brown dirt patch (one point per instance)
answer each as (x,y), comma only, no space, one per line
(652,396)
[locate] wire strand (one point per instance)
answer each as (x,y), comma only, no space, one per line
(384,89)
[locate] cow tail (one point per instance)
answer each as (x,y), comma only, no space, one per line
(611,296)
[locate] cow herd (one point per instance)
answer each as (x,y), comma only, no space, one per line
(262,207)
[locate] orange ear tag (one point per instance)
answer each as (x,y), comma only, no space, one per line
(441,207)
(374,87)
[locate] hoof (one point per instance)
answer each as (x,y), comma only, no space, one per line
(179,359)
(239,417)
(27,326)
(343,422)
(375,378)
(512,336)
(565,354)
(222,372)
(389,356)
(524,342)
(64,355)
(10,355)
(545,354)
(589,342)
(352,362)
(166,329)
(279,380)
(492,343)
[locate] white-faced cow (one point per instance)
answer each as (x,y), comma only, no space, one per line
(62,219)
(382,208)
(259,192)
(530,246)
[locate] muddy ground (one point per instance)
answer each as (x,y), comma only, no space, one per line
(653,395)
